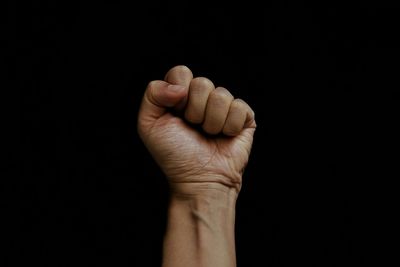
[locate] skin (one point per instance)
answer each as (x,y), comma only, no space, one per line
(201,137)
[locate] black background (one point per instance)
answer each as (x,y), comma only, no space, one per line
(81,189)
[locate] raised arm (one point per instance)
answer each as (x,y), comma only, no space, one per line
(201,137)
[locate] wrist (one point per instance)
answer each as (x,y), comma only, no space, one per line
(212,208)
(201,227)
(213,189)
(211,192)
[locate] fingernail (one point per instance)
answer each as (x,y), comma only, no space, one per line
(176,88)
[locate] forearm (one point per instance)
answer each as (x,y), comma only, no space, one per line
(200,229)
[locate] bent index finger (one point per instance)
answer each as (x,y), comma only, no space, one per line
(180,75)
(200,89)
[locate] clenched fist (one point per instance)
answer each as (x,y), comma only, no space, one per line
(200,136)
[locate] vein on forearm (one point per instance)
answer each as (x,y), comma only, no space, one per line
(198,216)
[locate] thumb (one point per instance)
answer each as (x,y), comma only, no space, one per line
(159,96)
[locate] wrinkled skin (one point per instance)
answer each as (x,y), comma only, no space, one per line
(208,143)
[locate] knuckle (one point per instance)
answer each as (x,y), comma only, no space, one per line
(202,82)
(239,104)
(223,92)
(221,96)
(180,68)
(216,100)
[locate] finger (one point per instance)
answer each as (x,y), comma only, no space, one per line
(158,96)
(250,117)
(236,118)
(180,75)
(217,110)
(199,90)
(245,136)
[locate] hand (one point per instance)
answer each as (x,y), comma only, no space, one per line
(192,157)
